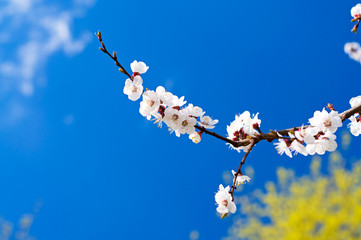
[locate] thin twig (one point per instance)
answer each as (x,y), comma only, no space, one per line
(253,143)
(114,56)
(234,143)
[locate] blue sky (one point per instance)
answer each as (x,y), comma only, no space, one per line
(76,153)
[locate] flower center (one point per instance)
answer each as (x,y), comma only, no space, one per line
(328,123)
(185,123)
(150,102)
(134,89)
(175,117)
(205,121)
(225,203)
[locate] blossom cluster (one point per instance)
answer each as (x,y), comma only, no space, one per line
(244,126)
(163,106)
(318,137)
(355,125)
(224,197)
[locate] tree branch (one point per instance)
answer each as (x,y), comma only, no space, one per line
(234,143)
(253,143)
(344,115)
(114,56)
(245,142)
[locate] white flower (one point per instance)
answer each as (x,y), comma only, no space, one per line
(283,147)
(172,117)
(353,50)
(306,134)
(313,148)
(355,101)
(325,121)
(187,124)
(150,104)
(178,101)
(158,118)
(242,127)
(250,125)
(351,47)
(324,142)
(207,122)
(298,147)
(195,137)
(179,122)
(164,95)
(133,89)
(194,111)
(241,179)
(244,122)
(356,11)
(139,67)
(169,99)
(224,200)
(355,125)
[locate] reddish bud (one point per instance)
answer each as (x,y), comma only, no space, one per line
(256,126)
(330,106)
(161,110)
(354,29)
(288,142)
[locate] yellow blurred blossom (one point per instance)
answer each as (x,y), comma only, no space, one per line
(318,206)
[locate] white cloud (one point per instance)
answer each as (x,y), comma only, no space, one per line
(32,31)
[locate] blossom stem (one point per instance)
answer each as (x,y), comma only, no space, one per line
(114,56)
(253,143)
(354,29)
(234,143)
